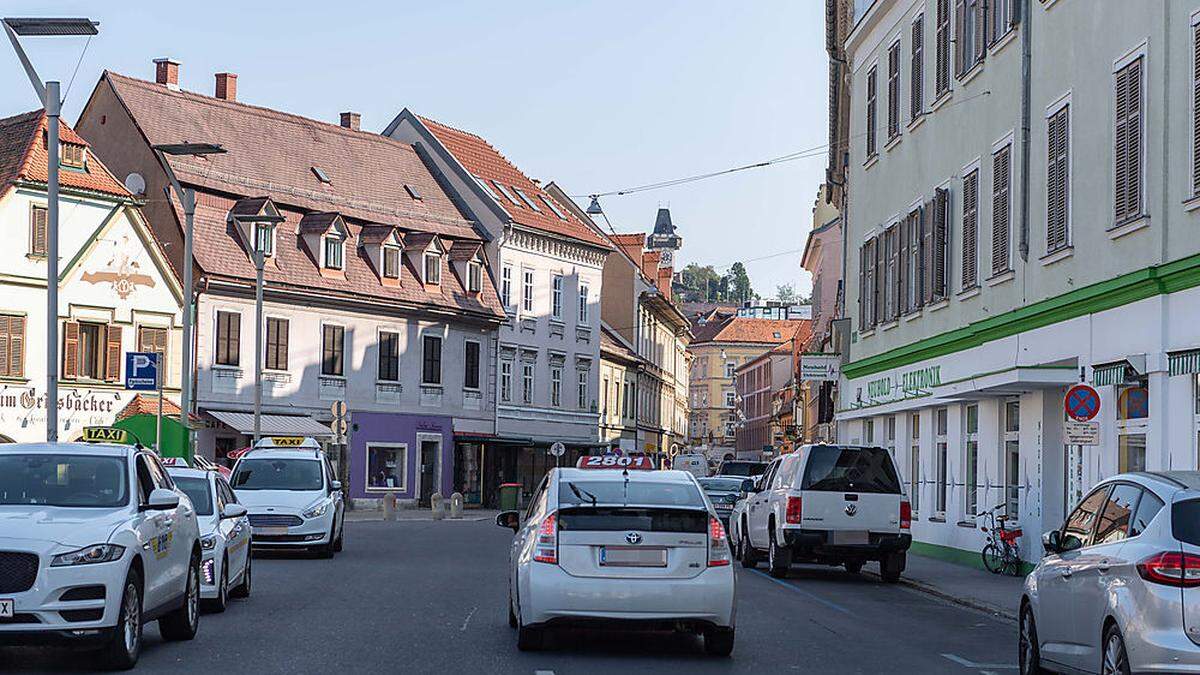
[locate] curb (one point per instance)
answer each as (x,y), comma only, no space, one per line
(962,602)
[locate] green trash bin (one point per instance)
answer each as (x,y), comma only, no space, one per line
(510,496)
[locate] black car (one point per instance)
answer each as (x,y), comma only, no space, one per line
(741,467)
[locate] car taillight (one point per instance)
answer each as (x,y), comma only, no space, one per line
(545,549)
(794,512)
(905,515)
(718,546)
(1171,568)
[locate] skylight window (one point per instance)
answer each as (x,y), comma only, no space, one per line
(321,175)
(778,335)
(412,192)
(554,207)
(504,191)
(489,188)
(528,202)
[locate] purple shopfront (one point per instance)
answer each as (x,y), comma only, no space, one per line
(410,455)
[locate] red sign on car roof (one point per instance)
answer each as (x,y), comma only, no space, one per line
(641,462)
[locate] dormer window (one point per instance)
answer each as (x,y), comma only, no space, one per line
(474,276)
(74,155)
(264,239)
(334,246)
(391,262)
(433,268)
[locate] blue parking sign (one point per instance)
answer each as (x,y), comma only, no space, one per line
(141,371)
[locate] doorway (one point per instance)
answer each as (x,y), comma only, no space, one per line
(429,467)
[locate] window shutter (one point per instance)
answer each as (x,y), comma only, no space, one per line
(981,30)
(894,90)
(37,230)
(1001,220)
(897,265)
(872,76)
(282,338)
(960,22)
(917,77)
(862,287)
(970,234)
(5,345)
(942,76)
(1196,110)
(1128,155)
(16,346)
(927,258)
(1058,179)
(112,352)
(880,280)
(902,279)
(941,223)
(70,357)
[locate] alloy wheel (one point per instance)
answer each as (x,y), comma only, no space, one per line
(193,595)
(1115,661)
(133,618)
(1027,642)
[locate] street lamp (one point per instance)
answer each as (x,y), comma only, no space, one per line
(253,221)
(188,199)
(48,95)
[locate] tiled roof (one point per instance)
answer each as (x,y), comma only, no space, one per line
(317,223)
(274,153)
(464,250)
(746,329)
(148,405)
(612,343)
(376,234)
(481,159)
(23,157)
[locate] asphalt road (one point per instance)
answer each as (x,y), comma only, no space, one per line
(429,597)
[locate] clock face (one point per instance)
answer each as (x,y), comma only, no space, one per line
(667,257)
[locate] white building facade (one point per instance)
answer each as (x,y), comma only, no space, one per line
(1008,238)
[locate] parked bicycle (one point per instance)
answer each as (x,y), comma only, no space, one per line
(1001,554)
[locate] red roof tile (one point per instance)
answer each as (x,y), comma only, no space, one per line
(148,405)
(481,159)
(23,156)
(746,329)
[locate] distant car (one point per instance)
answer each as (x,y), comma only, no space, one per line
(634,549)
(724,492)
(741,467)
(1118,590)
(291,494)
(695,464)
(95,540)
(829,504)
(224,536)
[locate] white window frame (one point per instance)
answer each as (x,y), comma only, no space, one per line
(970,482)
(869,431)
(999,144)
(506,377)
(584,376)
(474,276)
(527,381)
(583,304)
(383,251)
(527,289)
(401,450)
(1132,427)
(1011,484)
(340,242)
(1141,51)
(556,302)
(730,399)
(506,285)
(437,268)
(270,227)
(941,460)
(1053,109)
(914,462)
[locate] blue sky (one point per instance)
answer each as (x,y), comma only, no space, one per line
(597,95)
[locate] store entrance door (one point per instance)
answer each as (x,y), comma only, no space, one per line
(429,461)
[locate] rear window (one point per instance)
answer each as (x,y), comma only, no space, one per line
(623,519)
(642,493)
(1185,521)
(834,469)
(743,468)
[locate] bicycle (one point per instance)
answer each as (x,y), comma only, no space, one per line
(1001,554)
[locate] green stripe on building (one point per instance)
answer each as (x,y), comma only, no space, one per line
(1184,363)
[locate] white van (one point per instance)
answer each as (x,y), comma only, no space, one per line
(693,463)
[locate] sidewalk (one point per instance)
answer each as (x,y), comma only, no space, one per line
(417,515)
(960,584)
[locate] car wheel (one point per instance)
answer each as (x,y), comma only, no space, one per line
(219,603)
(718,641)
(1029,655)
(853,566)
(891,566)
(123,648)
(327,550)
(779,558)
(1115,660)
(530,639)
(337,545)
(242,590)
(182,623)
(749,555)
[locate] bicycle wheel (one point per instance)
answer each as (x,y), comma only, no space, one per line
(993,559)
(1012,561)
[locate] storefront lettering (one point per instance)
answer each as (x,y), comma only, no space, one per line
(29,399)
(913,383)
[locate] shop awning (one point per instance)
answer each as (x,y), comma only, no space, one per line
(290,425)
(1184,363)
(1009,382)
(1118,372)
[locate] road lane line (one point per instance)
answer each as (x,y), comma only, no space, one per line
(982,666)
(543,672)
(801,591)
(468,619)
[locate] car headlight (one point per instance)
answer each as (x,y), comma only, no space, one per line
(97,553)
(317,511)
(208,542)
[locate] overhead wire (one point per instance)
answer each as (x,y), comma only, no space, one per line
(75,72)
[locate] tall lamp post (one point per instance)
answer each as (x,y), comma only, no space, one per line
(254,221)
(187,198)
(48,95)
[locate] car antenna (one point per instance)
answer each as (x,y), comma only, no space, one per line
(625,486)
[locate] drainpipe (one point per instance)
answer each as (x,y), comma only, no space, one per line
(1026,70)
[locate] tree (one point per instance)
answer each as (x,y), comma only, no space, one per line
(739,283)
(786,293)
(700,284)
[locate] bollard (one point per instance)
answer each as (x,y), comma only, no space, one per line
(389,506)
(456,505)
(436,505)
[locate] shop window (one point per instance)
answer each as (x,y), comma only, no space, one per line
(869,431)
(386,466)
(891,435)
(1133,416)
(1012,458)
(914,464)
(971,461)
(940,416)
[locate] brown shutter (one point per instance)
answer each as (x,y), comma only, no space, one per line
(942,76)
(897,261)
(1196,110)
(282,339)
(902,280)
(872,77)
(112,353)
(894,90)
(862,287)
(1127,197)
(16,346)
(1001,218)
(70,356)
(880,280)
(927,262)
(941,240)
(917,77)
(37,230)
(970,235)
(960,22)
(1058,180)
(981,24)
(5,345)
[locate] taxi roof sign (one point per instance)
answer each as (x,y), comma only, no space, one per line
(287,442)
(639,462)
(108,435)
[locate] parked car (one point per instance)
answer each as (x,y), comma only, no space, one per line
(95,541)
(828,504)
(224,536)
(629,548)
(1118,590)
(741,467)
(292,497)
(695,464)
(724,492)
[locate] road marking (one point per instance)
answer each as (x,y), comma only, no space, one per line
(543,672)
(801,591)
(982,666)
(468,619)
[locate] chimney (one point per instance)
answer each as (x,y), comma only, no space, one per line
(166,71)
(227,86)
(351,120)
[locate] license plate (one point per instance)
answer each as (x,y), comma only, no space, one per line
(632,556)
(851,538)
(6,609)
(270,530)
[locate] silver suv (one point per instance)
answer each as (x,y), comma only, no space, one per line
(1119,588)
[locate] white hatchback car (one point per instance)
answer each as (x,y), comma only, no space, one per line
(224,536)
(95,540)
(291,494)
(624,548)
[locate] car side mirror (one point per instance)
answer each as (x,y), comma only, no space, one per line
(336,485)
(233,511)
(162,499)
(1052,542)
(509,519)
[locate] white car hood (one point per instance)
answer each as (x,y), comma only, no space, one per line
(56,526)
(259,501)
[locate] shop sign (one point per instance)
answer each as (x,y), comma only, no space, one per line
(820,367)
(907,385)
(1081,433)
(75,401)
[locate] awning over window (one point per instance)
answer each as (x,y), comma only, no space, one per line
(1112,373)
(283,425)
(1184,363)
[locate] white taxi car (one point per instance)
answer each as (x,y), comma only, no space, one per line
(224,536)
(95,540)
(613,546)
(294,501)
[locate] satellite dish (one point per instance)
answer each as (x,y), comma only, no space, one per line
(135,183)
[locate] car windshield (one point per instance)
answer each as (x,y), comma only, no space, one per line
(646,493)
(197,490)
(836,469)
(277,474)
(86,481)
(743,468)
(721,484)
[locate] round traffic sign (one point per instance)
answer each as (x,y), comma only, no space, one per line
(558,449)
(1082,402)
